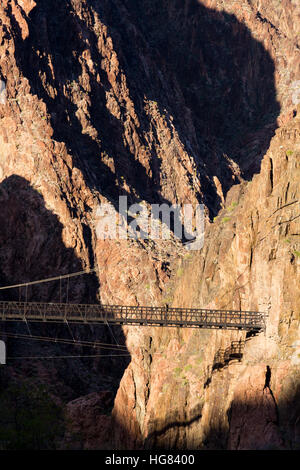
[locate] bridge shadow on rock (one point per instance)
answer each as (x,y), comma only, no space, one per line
(202,68)
(32,248)
(223,357)
(260,423)
(172,435)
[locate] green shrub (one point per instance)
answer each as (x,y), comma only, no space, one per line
(232,206)
(225,219)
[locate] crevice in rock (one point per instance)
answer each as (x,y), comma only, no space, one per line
(265,20)
(134,392)
(251,257)
(271,174)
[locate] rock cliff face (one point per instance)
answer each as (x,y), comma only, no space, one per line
(250,261)
(162,102)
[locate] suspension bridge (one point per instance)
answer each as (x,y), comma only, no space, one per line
(40,312)
(132,315)
(124,315)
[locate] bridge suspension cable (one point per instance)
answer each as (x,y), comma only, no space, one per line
(56,278)
(90,344)
(69,357)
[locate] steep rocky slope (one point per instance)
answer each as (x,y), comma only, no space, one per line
(175,102)
(250,261)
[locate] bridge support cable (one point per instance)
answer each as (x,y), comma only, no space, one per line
(50,279)
(71,332)
(68,285)
(68,357)
(29,331)
(106,322)
(81,343)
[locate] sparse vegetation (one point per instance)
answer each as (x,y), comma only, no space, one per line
(179,272)
(177,371)
(289,153)
(232,206)
(297,253)
(168,299)
(225,219)
(29,419)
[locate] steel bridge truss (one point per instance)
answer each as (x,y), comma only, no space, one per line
(130,315)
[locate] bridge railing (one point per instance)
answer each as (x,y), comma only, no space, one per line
(131,314)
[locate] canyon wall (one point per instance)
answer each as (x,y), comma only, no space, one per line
(250,261)
(162,102)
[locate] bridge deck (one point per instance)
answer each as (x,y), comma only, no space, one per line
(126,315)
